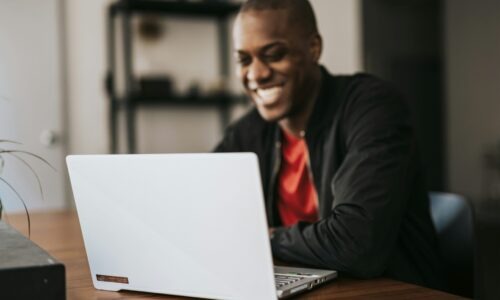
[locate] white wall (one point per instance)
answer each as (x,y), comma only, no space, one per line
(87,107)
(31,103)
(339,23)
(472,51)
(193,47)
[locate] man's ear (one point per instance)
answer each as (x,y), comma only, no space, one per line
(316,47)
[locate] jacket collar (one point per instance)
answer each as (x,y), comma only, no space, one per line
(324,103)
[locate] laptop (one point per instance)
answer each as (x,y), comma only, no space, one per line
(180,224)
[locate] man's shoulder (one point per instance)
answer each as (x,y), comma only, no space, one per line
(372,83)
(364,88)
(360,82)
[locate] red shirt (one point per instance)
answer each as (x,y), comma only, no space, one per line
(297,196)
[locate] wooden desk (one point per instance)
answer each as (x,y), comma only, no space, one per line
(59,234)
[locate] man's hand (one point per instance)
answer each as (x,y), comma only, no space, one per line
(271,231)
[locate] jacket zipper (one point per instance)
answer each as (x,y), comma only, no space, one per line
(272,204)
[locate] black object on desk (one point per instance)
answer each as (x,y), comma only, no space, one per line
(26,270)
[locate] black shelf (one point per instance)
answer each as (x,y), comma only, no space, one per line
(212,8)
(130,101)
(192,101)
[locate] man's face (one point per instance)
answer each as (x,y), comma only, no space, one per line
(275,62)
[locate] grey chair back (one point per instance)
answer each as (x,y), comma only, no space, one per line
(453,219)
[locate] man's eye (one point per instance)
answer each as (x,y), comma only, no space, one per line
(275,56)
(243,60)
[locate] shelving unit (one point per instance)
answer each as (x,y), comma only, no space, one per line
(131,100)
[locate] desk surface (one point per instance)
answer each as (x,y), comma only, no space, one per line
(59,234)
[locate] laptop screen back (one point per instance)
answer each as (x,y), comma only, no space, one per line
(183,224)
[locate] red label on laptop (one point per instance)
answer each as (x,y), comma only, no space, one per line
(108,278)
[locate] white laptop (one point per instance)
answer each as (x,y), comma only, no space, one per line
(180,224)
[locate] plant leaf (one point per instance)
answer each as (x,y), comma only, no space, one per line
(32,171)
(28,153)
(22,201)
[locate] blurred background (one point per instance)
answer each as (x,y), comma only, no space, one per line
(98,76)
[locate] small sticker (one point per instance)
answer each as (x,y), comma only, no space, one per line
(108,278)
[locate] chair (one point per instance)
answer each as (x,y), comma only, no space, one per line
(453,219)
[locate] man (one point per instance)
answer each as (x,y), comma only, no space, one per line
(338,155)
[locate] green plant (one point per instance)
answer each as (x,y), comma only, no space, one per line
(17,154)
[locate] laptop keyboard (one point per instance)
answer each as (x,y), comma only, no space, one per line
(284,280)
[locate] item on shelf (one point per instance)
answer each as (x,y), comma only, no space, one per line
(150,28)
(194,90)
(155,86)
(218,87)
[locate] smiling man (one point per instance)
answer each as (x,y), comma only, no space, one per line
(337,154)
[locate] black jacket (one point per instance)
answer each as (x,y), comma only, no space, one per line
(373,204)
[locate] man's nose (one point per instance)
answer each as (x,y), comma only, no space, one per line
(258,71)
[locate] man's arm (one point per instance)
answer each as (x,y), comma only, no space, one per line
(370,190)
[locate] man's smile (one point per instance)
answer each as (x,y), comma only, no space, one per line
(267,96)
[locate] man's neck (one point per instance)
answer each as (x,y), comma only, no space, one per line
(296,124)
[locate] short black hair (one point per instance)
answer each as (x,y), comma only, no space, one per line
(301,11)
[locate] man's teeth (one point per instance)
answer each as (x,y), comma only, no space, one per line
(269,95)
